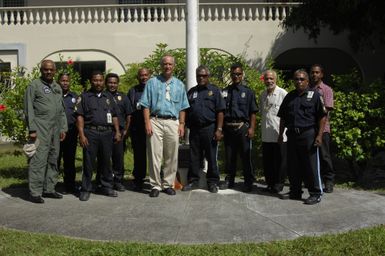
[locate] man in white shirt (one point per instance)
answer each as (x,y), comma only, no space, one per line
(274,154)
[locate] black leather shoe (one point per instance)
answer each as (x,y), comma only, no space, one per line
(84,196)
(110,193)
(291,196)
(328,187)
(36,199)
(54,195)
(190,186)
(313,199)
(169,191)
(154,193)
(119,187)
(213,188)
(227,184)
(138,186)
(247,188)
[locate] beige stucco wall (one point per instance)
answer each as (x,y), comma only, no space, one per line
(123,43)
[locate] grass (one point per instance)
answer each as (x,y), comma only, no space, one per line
(369,241)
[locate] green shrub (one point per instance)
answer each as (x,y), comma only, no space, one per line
(358,120)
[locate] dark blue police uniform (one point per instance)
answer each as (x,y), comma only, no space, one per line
(68,145)
(301,115)
(124,108)
(240,105)
(205,102)
(138,134)
(97,110)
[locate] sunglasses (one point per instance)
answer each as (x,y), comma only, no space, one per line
(236,74)
(202,75)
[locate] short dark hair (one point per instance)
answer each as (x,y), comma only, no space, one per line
(96,72)
(109,75)
(319,66)
(301,71)
(62,74)
(236,65)
(202,67)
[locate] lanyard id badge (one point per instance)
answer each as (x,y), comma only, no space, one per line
(109,118)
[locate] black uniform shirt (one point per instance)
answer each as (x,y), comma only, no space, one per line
(124,107)
(240,103)
(96,108)
(69,103)
(134,95)
(205,102)
(302,111)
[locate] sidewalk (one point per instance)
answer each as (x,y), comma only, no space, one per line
(192,217)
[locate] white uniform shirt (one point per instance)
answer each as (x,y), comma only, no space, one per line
(268,106)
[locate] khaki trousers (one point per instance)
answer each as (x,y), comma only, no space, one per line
(162,147)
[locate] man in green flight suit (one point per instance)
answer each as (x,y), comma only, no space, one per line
(47,126)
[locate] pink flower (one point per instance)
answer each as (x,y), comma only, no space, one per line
(70,62)
(262,78)
(3,107)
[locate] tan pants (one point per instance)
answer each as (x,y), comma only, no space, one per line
(163,145)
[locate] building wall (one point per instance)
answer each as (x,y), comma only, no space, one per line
(120,43)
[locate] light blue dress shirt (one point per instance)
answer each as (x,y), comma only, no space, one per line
(154,97)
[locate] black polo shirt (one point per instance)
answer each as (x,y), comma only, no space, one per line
(69,103)
(302,111)
(124,107)
(95,107)
(134,95)
(240,103)
(205,102)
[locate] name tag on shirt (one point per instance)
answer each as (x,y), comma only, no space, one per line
(224,94)
(109,118)
(195,94)
(309,95)
(138,106)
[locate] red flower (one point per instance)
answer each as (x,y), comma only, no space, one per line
(262,78)
(70,62)
(3,107)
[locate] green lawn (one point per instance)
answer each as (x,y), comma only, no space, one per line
(365,242)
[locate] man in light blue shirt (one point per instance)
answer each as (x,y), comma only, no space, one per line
(164,100)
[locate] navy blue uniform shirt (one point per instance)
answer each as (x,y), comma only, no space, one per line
(69,103)
(240,103)
(205,102)
(124,107)
(134,95)
(302,111)
(95,107)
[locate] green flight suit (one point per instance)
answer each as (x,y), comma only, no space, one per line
(45,115)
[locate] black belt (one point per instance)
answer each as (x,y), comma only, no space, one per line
(236,121)
(299,130)
(164,117)
(99,128)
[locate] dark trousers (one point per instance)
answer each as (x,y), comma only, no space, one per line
(237,142)
(67,153)
(118,160)
(138,143)
(274,164)
(303,162)
(100,147)
(202,144)
(327,169)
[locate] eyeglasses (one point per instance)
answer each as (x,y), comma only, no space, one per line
(299,79)
(236,74)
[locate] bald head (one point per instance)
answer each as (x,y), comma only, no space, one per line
(47,70)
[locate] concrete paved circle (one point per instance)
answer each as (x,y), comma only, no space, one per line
(191,217)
